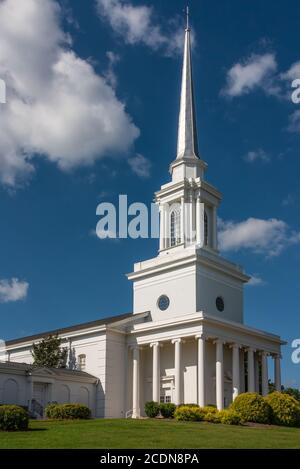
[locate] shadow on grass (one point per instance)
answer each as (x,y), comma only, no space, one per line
(37,430)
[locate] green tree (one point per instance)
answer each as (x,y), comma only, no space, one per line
(293,392)
(49,353)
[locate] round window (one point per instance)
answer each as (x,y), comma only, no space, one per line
(163,302)
(220,304)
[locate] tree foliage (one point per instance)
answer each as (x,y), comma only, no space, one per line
(49,353)
(292,392)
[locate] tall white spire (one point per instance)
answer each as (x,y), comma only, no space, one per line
(187,145)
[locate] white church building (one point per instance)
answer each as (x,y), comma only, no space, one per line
(185,341)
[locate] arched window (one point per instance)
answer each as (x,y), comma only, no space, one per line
(82,362)
(205,229)
(64,394)
(10,392)
(175,237)
(84,396)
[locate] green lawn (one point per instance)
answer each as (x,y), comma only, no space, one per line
(147,434)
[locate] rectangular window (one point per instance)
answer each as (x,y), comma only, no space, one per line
(165,399)
(82,362)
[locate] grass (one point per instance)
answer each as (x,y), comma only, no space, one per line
(157,434)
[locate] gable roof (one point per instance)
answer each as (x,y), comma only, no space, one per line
(32,369)
(77,327)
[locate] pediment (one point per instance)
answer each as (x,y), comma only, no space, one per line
(42,371)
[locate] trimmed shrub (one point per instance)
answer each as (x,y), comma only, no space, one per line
(252,408)
(68,412)
(210,409)
(152,409)
(50,410)
(167,410)
(285,409)
(13,418)
(189,405)
(230,417)
(211,414)
(189,413)
(212,417)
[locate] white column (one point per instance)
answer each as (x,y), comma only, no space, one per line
(201,370)
(214,228)
(161,227)
(256,372)
(219,375)
(135,383)
(251,377)
(177,343)
(198,220)
(242,367)
(156,372)
(277,372)
(264,373)
(191,218)
(235,371)
(182,220)
(166,227)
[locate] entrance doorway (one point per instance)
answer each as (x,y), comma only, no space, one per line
(39,399)
(39,393)
(166,391)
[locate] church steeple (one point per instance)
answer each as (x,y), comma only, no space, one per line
(188,204)
(187,163)
(187,144)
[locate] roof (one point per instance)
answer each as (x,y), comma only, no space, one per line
(27,368)
(64,330)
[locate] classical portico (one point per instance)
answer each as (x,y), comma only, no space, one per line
(223,366)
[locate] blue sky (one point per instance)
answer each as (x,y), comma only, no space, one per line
(91,112)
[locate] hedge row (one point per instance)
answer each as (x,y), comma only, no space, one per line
(277,408)
(67,411)
(207,414)
(192,413)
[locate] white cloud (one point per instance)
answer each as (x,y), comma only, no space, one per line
(257,155)
(292,73)
(136,24)
(256,71)
(260,71)
(294,122)
(13,290)
(140,166)
(256,281)
(57,106)
(269,237)
(110,74)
